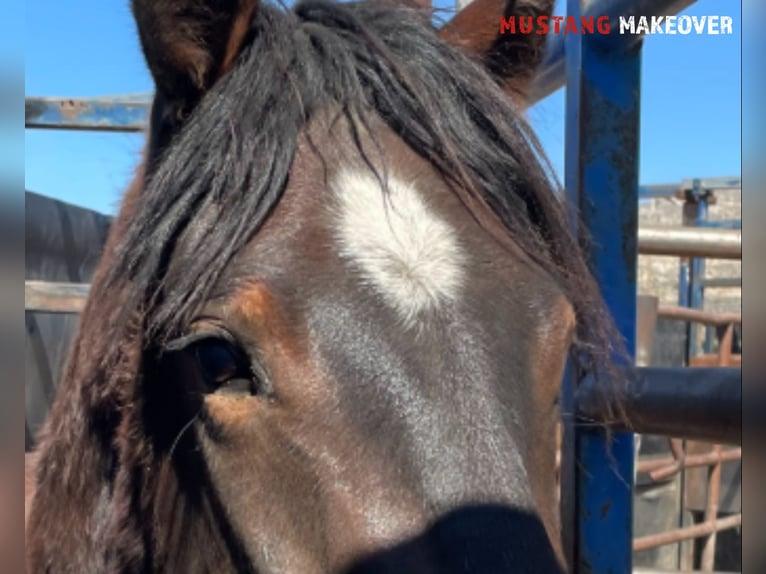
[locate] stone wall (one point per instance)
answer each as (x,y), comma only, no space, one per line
(658,276)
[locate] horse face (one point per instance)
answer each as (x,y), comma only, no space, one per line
(367,378)
(372,364)
(376,376)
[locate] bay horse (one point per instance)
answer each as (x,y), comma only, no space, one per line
(330,324)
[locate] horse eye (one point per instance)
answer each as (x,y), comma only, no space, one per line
(223,365)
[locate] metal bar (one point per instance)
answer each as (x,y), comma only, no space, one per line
(725,354)
(679,461)
(658,468)
(646,326)
(690,242)
(686,185)
(569,501)
(711,409)
(663,311)
(723,223)
(654,540)
(714,478)
(698,270)
(659,190)
(552,74)
(643,570)
(567,468)
(713,361)
(602,149)
(55,297)
(680,189)
(712,183)
(683,282)
(711,513)
(689,215)
(116,114)
(722,282)
(698,316)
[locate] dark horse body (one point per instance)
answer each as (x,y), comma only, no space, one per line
(330,324)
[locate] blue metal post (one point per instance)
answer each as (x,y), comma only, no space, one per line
(602,145)
(683,282)
(683,291)
(696,285)
(698,270)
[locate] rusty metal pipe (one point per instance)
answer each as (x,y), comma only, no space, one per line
(53,297)
(673,536)
(698,316)
(711,513)
(690,461)
(679,462)
(714,243)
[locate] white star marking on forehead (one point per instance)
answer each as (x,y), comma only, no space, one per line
(405,251)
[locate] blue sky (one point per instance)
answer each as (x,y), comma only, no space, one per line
(691,100)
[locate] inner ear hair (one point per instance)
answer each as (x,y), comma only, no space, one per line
(512,59)
(189,44)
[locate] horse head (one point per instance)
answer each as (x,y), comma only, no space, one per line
(339,302)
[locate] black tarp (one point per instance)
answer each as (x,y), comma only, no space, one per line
(63,243)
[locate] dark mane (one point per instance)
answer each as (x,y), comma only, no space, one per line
(235,154)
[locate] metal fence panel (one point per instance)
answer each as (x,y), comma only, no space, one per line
(63,244)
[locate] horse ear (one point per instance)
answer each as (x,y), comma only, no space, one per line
(189,44)
(512,58)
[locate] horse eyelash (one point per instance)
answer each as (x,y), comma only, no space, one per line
(185,341)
